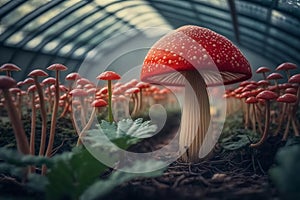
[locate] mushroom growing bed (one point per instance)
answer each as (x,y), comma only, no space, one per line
(138,140)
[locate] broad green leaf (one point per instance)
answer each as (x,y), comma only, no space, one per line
(102,187)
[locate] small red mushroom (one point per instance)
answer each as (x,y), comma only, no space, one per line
(109,76)
(57,68)
(35,74)
(289,99)
(263,70)
(287,66)
(8,68)
(253,100)
(267,96)
(98,103)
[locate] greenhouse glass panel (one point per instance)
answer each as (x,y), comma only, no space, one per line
(287,38)
(209,19)
(34,24)
(21,11)
(288,23)
(217,4)
(251,33)
(251,10)
(213,12)
(290,6)
(245,21)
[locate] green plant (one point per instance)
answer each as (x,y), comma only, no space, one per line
(285,173)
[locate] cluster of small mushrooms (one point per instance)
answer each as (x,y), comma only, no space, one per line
(190,56)
(273,100)
(47,98)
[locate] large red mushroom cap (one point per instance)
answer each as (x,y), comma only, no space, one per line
(57,67)
(109,75)
(295,79)
(267,95)
(7,82)
(191,48)
(9,67)
(286,66)
(287,98)
(37,72)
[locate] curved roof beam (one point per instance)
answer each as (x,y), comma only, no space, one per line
(28,18)
(53,21)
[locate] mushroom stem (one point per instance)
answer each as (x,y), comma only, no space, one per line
(287,128)
(266,129)
(54,116)
(87,126)
(135,104)
(195,117)
(284,108)
(110,115)
(32,133)
(254,118)
(43,116)
(257,117)
(22,142)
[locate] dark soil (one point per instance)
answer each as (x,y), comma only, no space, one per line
(240,174)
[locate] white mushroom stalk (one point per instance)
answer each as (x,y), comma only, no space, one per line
(195,117)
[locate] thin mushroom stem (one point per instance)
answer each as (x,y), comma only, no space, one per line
(110,114)
(284,108)
(294,125)
(266,129)
(135,103)
(21,138)
(195,117)
(87,126)
(32,133)
(254,118)
(43,116)
(287,128)
(54,116)
(247,116)
(258,121)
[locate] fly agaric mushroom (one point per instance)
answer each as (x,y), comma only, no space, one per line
(191,50)
(289,99)
(109,76)
(8,68)
(57,68)
(22,143)
(95,104)
(286,67)
(267,96)
(35,74)
(263,70)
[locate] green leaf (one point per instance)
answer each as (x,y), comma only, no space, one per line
(285,173)
(102,187)
(72,174)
